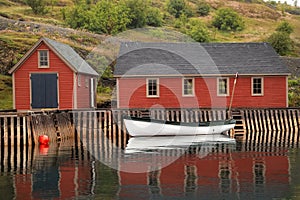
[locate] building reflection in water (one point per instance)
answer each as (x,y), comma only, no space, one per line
(213,170)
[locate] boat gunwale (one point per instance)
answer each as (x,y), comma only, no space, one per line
(190,124)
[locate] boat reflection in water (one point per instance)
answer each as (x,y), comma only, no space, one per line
(145,154)
(148,144)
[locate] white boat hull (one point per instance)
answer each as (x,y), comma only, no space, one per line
(146,128)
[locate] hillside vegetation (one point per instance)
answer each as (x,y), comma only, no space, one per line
(93,27)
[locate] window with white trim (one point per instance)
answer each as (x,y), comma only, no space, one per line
(188,87)
(86,82)
(223,86)
(79,80)
(43,58)
(257,86)
(152,87)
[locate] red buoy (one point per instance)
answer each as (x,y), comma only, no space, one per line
(43,139)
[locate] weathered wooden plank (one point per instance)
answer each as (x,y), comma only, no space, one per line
(282,120)
(272,120)
(1,132)
(295,121)
(255,121)
(260,122)
(286,120)
(263,120)
(290,120)
(5,158)
(12,131)
(298,117)
(251,115)
(247,123)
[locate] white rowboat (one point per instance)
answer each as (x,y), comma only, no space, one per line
(151,127)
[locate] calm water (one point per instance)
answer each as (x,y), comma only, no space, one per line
(153,168)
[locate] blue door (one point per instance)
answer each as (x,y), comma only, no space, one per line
(44,91)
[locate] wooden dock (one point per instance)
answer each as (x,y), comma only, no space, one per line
(23,129)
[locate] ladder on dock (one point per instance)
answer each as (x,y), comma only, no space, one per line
(56,126)
(240,127)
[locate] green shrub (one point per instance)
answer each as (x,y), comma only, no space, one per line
(154,17)
(281,42)
(294,92)
(227,19)
(137,13)
(37,6)
(178,7)
(285,27)
(198,31)
(203,8)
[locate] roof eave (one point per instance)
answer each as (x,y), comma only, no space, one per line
(90,74)
(61,57)
(26,56)
(196,75)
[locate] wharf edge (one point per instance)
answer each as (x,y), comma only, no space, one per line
(24,128)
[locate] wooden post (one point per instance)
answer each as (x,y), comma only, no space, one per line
(12,132)
(18,131)
(231,98)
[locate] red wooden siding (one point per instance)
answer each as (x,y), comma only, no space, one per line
(83,92)
(132,93)
(22,80)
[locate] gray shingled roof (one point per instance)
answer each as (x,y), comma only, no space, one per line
(144,59)
(79,64)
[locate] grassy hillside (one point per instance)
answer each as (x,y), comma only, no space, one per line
(20,28)
(5,92)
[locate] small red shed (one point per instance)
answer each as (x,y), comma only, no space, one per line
(200,75)
(52,75)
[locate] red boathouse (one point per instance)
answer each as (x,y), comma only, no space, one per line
(190,75)
(52,75)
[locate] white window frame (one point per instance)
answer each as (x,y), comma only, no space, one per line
(39,59)
(79,80)
(262,86)
(86,82)
(193,87)
(157,88)
(218,86)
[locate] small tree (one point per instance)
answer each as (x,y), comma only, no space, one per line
(227,19)
(294,92)
(281,42)
(203,8)
(109,18)
(37,6)
(285,27)
(198,31)
(154,17)
(178,7)
(138,12)
(77,16)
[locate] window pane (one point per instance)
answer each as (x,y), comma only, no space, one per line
(152,87)
(188,87)
(43,58)
(257,86)
(222,86)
